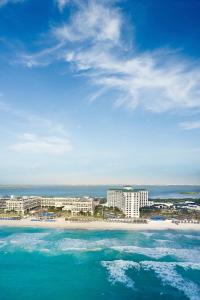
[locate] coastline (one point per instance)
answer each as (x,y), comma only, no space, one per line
(60,223)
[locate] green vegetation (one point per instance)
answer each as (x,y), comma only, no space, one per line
(176,200)
(108,212)
(102,200)
(190,193)
(170,213)
(84,214)
(10,215)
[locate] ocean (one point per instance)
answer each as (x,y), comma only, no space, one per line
(155,191)
(47,264)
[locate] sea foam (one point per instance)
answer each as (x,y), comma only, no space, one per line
(117,271)
(165,271)
(159,252)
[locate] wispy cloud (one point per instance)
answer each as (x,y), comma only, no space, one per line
(52,145)
(93,42)
(93,21)
(5,2)
(190,125)
(30,119)
(42,58)
(45,135)
(62,3)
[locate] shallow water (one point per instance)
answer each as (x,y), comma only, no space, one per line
(155,191)
(61,264)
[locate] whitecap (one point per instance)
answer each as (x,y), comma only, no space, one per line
(147,234)
(27,241)
(166,271)
(40,241)
(159,252)
(117,271)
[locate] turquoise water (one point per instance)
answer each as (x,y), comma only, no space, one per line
(60,264)
(155,191)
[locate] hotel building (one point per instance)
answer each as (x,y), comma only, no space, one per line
(73,204)
(21,204)
(3,202)
(129,200)
(25,204)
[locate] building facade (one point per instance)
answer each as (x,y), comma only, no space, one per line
(129,200)
(25,204)
(21,204)
(73,204)
(3,202)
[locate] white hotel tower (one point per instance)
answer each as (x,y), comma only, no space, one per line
(129,200)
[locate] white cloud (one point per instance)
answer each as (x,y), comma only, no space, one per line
(93,20)
(5,2)
(190,125)
(42,58)
(93,41)
(52,145)
(33,121)
(62,3)
(47,135)
(157,82)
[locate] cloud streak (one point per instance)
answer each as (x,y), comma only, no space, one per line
(92,22)
(5,2)
(190,125)
(30,143)
(44,135)
(94,43)
(62,3)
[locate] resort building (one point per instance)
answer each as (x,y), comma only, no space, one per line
(129,200)
(3,202)
(81,205)
(73,204)
(21,204)
(25,204)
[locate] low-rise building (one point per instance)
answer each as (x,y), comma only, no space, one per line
(26,204)
(22,204)
(3,202)
(72,204)
(80,205)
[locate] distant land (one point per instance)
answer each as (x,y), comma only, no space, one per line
(189,193)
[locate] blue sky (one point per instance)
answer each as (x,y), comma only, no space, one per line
(99,92)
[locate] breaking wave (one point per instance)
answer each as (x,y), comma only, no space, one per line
(117,271)
(43,242)
(55,244)
(165,271)
(159,252)
(169,276)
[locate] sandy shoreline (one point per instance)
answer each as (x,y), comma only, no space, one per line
(100,225)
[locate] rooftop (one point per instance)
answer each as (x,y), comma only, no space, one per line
(127,189)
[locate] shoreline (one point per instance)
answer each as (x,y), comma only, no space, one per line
(60,223)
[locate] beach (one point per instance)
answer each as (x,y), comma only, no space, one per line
(100,225)
(99,260)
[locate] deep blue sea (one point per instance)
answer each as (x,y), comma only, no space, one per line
(155,191)
(47,264)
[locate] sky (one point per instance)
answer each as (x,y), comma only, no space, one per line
(99,92)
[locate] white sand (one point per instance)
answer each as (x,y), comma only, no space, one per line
(100,225)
